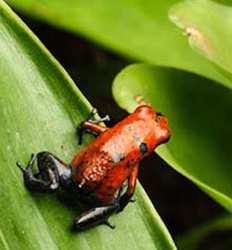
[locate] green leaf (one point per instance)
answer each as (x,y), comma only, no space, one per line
(138,29)
(199,114)
(219,228)
(208,25)
(40,108)
(225,2)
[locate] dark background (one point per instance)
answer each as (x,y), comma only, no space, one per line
(181,204)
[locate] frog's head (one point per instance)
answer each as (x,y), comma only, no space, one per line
(159,121)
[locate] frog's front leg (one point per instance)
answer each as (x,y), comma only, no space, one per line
(52,172)
(127,196)
(91,125)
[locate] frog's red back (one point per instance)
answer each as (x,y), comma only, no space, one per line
(103,165)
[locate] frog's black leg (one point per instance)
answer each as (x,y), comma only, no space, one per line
(133,199)
(95,216)
(91,125)
(30,180)
(127,197)
(51,172)
(98,215)
(107,223)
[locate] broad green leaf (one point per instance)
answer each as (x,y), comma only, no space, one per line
(225,2)
(40,108)
(199,114)
(203,236)
(138,29)
(208,25)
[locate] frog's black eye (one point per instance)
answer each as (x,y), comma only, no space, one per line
(159,114)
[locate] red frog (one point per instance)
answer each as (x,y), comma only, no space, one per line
(98,173)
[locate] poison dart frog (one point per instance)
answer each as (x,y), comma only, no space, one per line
(98,173)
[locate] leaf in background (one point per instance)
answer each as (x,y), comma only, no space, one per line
(199,114)
(139,29)
(216,234)
(225,2)
(208,25)
(40,108)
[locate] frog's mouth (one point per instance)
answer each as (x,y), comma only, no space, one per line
(162,122)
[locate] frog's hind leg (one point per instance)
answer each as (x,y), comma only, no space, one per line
(98,215)
(51,169)
(95,216)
